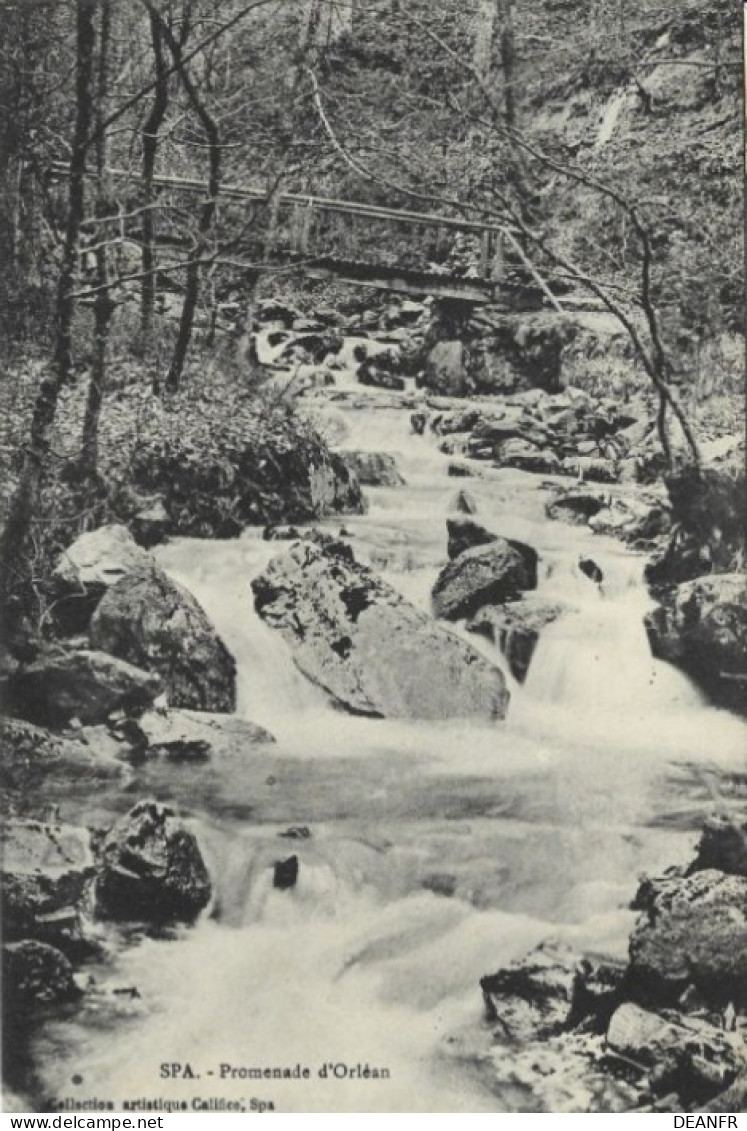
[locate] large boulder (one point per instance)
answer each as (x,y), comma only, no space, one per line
(445,369)
(692,933)
(533,997)
(150,620)
(723,845)
(369,648)
(86,569)
(374,469)
(516,629)
(64,684)
(31,754)
(35,974)
(694,1060)
(578,505)
(485,575)
(549,991)
(46,869)
(526,456)
(702,627)
(151,868)
(227,458)
(186,736)
(464,534)
(710,521)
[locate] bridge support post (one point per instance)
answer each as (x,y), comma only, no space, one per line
(307,223)
(498,266)
(485,253)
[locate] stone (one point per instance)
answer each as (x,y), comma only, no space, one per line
(366,646)
(692,933)
(371,376)
(590,569)
(35,973)
(445,369)
(335,489)
(631,518)
(150,620)
(374,469)
(484,575)
(85,570)
(686,1056)
(577,506)
(46,869)
(526,456)
(186,736)
(271,310)
(702,628)
(285,874)
(460,469)
(464,533)
(64,684)
(29,755)
(151,868)
(151,524)
(531,998)
(596,469)
(464,502)
(516,628)
(723,845)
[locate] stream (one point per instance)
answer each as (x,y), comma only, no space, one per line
(438,852)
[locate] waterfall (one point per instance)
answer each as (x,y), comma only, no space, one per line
(429,854)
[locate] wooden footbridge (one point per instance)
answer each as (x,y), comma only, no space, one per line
(316,235)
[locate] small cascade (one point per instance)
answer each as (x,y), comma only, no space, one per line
(597,658)
(428,853)
(219,574)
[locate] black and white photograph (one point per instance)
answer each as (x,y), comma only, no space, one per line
(373,576)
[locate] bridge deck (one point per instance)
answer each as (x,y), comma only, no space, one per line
(403,280)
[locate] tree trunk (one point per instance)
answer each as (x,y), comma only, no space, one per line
(482,51)
(85,40)
(207,212)
(103,307)
(14,562)
(150,148)
(508,59)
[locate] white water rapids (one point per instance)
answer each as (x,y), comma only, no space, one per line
(438,853)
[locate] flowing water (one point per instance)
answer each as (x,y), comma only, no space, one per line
(438,851)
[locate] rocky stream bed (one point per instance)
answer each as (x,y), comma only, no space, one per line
(444,776)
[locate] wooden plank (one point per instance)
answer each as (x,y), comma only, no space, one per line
(474,291)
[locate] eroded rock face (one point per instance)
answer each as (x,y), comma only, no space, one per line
(366,646)
(693,933)
(703,628)
(151,868)
(485,575)
(149,620)
(64,684)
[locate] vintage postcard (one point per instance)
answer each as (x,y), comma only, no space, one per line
(372,556)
